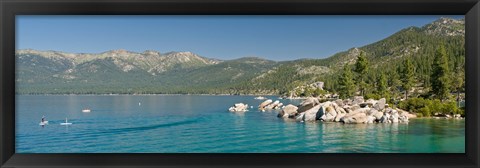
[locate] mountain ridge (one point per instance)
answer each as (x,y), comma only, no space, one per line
(187,72)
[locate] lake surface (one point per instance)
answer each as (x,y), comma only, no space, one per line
(202,124)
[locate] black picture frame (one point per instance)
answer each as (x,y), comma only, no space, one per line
(10,8)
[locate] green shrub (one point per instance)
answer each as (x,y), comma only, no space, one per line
(428,107)
(420,115)
(372,96)
(413,104)
(424,111)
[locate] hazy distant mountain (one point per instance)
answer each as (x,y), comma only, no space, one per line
(121,71)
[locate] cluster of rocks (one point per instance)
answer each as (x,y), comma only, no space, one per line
(447,116)
(347,111)
(238,107)
(270,105)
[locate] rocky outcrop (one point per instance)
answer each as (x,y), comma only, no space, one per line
(358,100)
(308,104)
(328,112)
(288,111)
(265,103)
(270,105)
(380,105)
(356,111)
(312,114)
(279,106)
(238,107)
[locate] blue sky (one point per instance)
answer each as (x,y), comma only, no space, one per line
(223,37)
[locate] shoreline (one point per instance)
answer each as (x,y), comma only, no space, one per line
(121,94)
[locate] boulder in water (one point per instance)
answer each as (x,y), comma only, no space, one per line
(308,104)
(356,118)
(329,114)
(279,106)
(385,118)
(378,115)
(370,119)
(238,107)
(265,103)
(339,116)
(300,117)
(272,105)
(288,112)
(312,114)
(403,119)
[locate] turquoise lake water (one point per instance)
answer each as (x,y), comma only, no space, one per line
(202,124)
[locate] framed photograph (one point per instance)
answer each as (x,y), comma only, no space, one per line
(253,83)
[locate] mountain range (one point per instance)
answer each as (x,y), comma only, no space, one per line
(126,72)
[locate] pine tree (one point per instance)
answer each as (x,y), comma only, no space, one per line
(440,79)
(382,85)
(393,83)
(361,68)
(407,76)
(346,83)
(459,77)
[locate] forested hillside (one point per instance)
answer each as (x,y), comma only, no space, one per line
(397,67)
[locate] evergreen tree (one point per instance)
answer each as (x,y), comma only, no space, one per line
(459,78)
(361,68)
(440,79)
(346,83)
(382,85)
(394,83)
(407,76)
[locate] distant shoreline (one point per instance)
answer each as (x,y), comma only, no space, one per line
(120,94)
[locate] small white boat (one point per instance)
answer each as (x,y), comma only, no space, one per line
(66,122)
(86,110)
(260,98)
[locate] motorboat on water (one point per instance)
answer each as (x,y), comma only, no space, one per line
(260,98)
(87,110)
(66,122)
